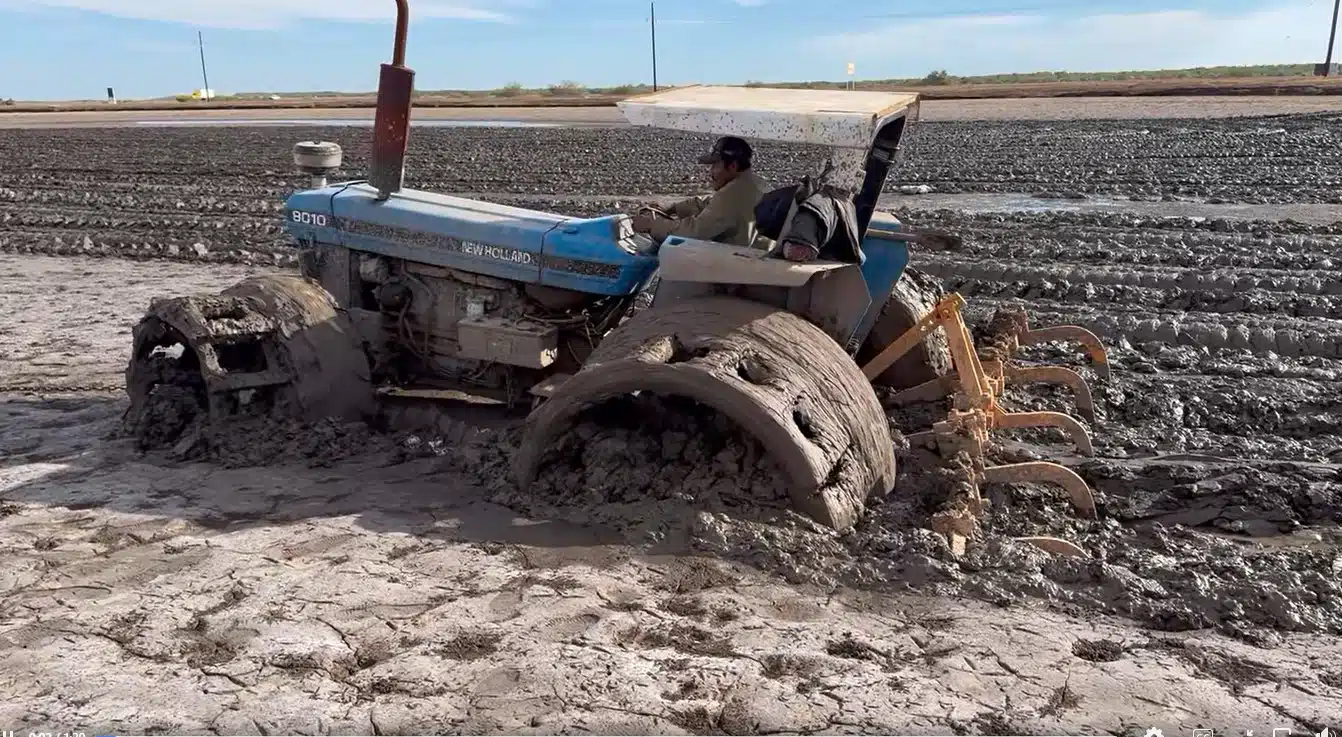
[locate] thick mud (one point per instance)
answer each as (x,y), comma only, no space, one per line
(1218,446)
(390,596)
(175,423)
(649,466)
(1175,547)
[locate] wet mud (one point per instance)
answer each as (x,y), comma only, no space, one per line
(1218,439)
(175,424)
(1178,546)
(1250,549)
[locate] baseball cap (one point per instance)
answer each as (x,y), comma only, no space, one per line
(729,149)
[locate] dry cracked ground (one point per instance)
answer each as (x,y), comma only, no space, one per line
(349,582)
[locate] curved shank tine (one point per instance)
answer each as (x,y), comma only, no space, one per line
(923,439)
(927,391)
(1059,420)
(1070,332)
(1057,375)
(1056,546)
(1074,485)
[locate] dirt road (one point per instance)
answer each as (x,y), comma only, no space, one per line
(351,582)
(932,110)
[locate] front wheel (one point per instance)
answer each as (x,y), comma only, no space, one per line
(912,298)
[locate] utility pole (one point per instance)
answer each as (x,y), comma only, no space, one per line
(205,91)
(653,8)
(1332,36)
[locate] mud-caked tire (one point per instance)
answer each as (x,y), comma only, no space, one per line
(912,298)
(284,335)
(777,377)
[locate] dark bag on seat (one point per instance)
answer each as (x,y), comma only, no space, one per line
(771,212)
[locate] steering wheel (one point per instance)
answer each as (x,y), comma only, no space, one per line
(659,212)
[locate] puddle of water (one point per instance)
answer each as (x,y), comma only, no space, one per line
(1308,538)
(1323,214)
(356,123)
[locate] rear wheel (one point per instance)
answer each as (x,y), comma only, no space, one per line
(776,376)
(912,298)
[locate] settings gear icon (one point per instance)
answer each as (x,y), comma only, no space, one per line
(1154,732)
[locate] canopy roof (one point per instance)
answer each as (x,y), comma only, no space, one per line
(845,119)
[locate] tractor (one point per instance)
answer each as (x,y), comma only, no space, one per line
(406,295)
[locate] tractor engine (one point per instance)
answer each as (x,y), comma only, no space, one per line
(453,293)
(424,325)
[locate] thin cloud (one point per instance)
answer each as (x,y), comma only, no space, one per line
(150,46)
(987,44)
(272,14)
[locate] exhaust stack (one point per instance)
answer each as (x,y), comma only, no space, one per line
(391,127)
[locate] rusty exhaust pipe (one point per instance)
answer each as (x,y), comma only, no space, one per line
(402,30)
(391,126)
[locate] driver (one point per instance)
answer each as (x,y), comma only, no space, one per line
(727,215)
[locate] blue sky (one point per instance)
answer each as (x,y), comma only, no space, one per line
(73,49)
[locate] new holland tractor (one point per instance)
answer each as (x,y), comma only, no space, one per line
(406,293)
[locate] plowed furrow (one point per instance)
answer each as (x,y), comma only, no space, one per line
(1309,253)
(133,220)
(1250,302)
(1285,336)
(263,203)
(954,266)
(154,245)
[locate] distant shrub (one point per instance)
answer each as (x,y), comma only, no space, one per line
(184,98)
(512,89)
(937,77)
(623,89)
(567,89)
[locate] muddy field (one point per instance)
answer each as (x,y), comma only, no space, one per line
(333,580)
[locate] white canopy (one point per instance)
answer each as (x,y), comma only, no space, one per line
(839,118)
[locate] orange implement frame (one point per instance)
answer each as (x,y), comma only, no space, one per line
(975,386)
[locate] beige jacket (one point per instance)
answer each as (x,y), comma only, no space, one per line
(726,216)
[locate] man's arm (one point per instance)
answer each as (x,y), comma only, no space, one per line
(712,221)
(689,208)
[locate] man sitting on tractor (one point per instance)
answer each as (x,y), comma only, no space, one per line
(727,215)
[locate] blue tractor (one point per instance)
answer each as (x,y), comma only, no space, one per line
(406,295)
